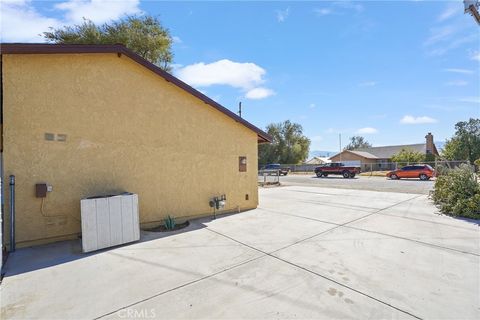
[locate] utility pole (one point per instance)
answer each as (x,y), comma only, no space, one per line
(240,109)
(340,144)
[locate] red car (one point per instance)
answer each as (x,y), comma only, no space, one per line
(421,171)
(336,168)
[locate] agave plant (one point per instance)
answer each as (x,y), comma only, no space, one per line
(169,222)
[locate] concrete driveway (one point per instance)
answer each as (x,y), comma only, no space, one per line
(306,252)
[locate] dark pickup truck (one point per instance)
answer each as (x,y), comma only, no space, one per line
(274,167)
(336,168)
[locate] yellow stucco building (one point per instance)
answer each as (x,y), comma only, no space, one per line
(94,119)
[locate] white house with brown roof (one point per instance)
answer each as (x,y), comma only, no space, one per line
(379,157)
(318,160)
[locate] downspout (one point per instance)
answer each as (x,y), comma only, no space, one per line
(12,178)
(12,213)
(2,181)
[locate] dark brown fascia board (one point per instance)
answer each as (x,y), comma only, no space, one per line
(36,48)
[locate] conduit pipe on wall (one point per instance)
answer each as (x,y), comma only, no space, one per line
(217,203)
(12,213)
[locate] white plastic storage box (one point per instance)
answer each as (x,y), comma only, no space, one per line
(109,221)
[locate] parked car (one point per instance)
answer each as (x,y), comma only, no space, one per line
(274,167)
(421,171)
(336,168)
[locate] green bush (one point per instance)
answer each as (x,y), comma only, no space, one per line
(457,193)
(429,157)
(408,156)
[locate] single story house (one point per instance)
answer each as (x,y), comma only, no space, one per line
(318,160)
(379,158)
(98,119)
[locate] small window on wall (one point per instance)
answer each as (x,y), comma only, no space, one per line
(242,164)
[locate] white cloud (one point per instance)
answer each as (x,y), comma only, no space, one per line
(342,7)
(417,120)
(452,43)
(439,34)
(351,5)
(366,130)
(475,55)
(312,105)
(456,83)
(176,39)
(451,10)
(282,15)
(259,93)
(176,66)
(21,22)
(456,70)
(446,38)
(223,72)
(99,11)
(246,76)
(323,11)
(367,84)
(470,99)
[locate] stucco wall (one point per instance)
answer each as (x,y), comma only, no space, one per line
(127,130)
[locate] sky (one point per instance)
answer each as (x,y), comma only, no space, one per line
(391,71)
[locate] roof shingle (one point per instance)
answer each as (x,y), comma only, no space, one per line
(388,151)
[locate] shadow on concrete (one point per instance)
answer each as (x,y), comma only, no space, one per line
(469,220)
(339,177)
(44,256)
(410,179)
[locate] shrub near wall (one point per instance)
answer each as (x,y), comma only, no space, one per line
(457,193)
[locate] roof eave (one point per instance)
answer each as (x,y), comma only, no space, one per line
(34,48)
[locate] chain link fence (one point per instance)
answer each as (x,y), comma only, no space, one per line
(389,166)
(380,166)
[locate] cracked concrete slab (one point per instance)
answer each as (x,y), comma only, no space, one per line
(68,284)
(425,281)
(300,254)
(449,236)
(263,289)
(265,231)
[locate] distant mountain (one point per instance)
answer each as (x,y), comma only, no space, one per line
(320,153)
